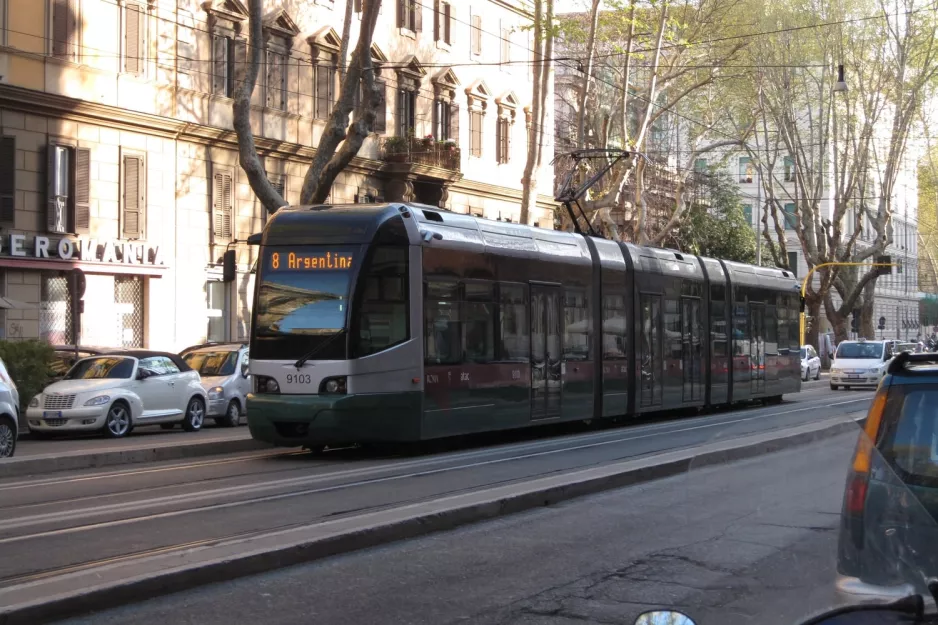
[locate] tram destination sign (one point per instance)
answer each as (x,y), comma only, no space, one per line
(315,261)
(106,251)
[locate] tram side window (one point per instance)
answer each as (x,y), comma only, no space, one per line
(614,335)
(383,317)
(442,329)
(718,319)
(782,314)
(576,325)
(672,328)
(479,321)
(794,319)
(771,330)
(513,323)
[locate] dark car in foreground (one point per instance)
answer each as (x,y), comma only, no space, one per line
(888,542)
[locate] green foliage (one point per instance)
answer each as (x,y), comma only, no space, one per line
(29,365)
(718,227)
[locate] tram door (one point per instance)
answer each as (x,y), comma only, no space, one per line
(546,352)
(650,389)
(757,348)
(691,348)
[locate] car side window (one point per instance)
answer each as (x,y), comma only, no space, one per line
(154,364)
(245,363)
(168,366)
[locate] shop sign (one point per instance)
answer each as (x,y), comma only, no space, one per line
(116,252)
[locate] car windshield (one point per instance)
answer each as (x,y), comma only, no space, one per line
(213,363)
(911,445)
(101,367)
(860,351)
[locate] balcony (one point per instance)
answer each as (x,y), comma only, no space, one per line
(420,170)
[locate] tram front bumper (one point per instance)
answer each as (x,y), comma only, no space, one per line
(297,420)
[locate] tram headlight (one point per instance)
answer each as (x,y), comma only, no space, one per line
(334,386)
(264,384)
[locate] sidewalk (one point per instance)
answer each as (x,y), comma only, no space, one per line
(146,444)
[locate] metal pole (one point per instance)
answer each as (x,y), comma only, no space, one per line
(759,217)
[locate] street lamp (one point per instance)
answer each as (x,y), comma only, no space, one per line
(841,85)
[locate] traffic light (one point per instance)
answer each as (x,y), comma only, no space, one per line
(885,259)
(229,267)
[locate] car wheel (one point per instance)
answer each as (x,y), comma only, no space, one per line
(7,438)
(817,376)
(117,423)
(167,426)
(233,415)
(833,387)
(807,374)
(195,415)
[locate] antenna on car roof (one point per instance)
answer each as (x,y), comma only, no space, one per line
(570,192)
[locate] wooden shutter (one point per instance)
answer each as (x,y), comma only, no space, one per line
(82,211)
(447,22)
(221,209)
(220,64)
(237,64)
(64,28)
(475,130)
(477,34)
(275,76)
(506,45)
(325,79)
(454,122)
(417,6)
(278,181)
(7,179)
(133,220)
(134,38)
(437,21)
(381,115)
(402,6)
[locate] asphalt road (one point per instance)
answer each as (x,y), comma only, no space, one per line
(65,522)
(748,542)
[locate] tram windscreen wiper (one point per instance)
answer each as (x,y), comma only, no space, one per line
(302,361)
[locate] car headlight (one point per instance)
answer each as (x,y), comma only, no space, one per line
(34,402)
(875,369)
(216,393)
(100,400)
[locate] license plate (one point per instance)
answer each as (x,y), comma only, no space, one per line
(853,377)
(52,414)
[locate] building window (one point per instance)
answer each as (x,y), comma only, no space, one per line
(216,293)
(475,34)
(406,112)
(790,217)
(128,300)
(324,88)
(276,79)
(442,22)
(409,14)
(446,120)
(7,179)
(65,30)
(381,115)
(503,139)
(700,165)
(229,60)
(789,169)
(68,199)
(55,309)
(793,262)
(222,209)
(747,213)
(476,118)
(745,169)
(135,38)
(505,56)
(133,200)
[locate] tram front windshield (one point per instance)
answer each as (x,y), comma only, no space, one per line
(303,293)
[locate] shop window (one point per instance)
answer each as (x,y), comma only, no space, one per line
(133,200)
(128,300)
(68,201)
(55,310)
(218,311)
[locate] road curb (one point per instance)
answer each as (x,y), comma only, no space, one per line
(38,465)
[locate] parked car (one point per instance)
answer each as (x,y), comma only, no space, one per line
(860,363)
(115,392)
(225,378)
(9,411)
(888,541)
(810,363)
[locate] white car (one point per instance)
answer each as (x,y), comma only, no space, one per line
(113,393)
(225,377)
(810,364)
(860,363)
(9,411)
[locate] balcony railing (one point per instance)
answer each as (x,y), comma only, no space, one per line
(426,151)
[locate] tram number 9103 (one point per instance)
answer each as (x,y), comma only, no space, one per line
(299,378)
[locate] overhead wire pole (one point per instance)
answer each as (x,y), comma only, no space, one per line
(804,283)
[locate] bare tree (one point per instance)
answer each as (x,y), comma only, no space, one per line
(340,140)
(543,32)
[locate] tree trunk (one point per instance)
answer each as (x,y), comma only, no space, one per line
(328,162)
(346,33)
(867,323)
(529,178)
(837,320)
(587,77)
